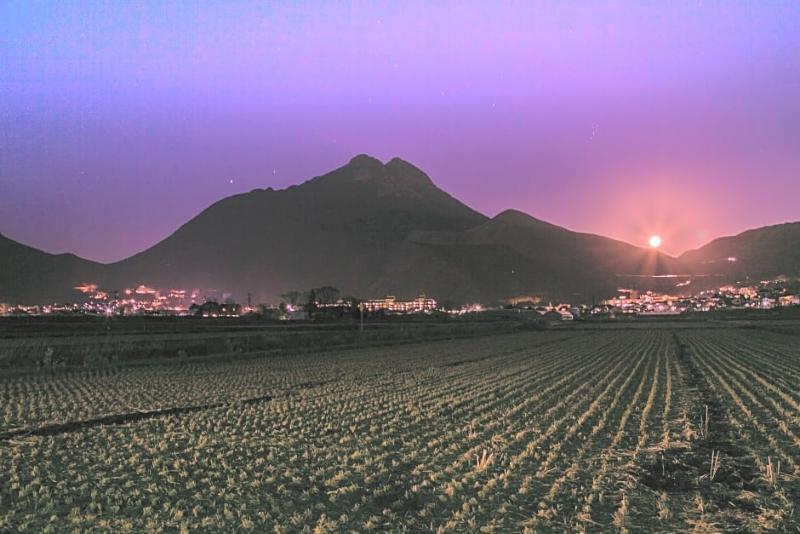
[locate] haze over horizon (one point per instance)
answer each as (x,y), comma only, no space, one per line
(118,123)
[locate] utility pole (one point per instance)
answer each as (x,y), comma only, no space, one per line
(361,308)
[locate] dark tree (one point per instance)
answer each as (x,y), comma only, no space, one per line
(311,302)
(326,295)
(292,297)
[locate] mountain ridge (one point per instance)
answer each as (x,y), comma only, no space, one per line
(766,251)
(374,228)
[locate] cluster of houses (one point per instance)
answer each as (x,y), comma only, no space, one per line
(390,304)
(764,295)
(140,300)
(143,300)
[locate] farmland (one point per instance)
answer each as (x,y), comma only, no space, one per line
(664,427)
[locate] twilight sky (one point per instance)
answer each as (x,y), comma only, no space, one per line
(120,121)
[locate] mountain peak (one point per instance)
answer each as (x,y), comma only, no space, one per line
(511,213)
(395,177)
(515,217)
(404,171)
(364,160)
(401,163)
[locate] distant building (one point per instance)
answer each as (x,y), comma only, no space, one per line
(296,315)
(144,290)
(767,303)
(214,309)
(786,300)
(392,305)
(558,316)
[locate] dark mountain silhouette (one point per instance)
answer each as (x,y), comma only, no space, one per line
(347,228)
(760,253)
(577,252)
(370,229)
(29,275)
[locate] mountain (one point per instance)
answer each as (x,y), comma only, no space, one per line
(347,228)
(764,252)
(30,275)
(577,252)
(553,261)
(372,229)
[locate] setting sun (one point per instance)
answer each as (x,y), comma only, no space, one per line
(655,241)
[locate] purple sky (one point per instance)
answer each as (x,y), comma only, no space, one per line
(120,121)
